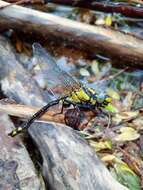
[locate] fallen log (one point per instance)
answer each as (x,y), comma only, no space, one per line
(68,162)
(109,7)
(123,49)
(16,168)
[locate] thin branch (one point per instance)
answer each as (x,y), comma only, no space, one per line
(25,112)
(109,7)
(111,77)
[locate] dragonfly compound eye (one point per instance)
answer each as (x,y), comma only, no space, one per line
(108,99)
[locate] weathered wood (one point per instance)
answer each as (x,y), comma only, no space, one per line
(23,111)
(15,81)
(69,163)
(16,168)
(109,7)
(123,49)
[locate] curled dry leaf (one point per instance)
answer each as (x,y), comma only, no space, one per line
(95,67)
(108,158)
(124,116)
(84,72)
(127,134)
(101,145)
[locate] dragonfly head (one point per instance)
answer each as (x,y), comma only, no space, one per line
(104,100)
(107,104)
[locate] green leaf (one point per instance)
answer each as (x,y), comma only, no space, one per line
(111,108)
(127,177)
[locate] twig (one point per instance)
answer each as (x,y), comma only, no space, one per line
(15,3)
(20,2)
(111,77)
(24,111)
(110,7)
(109,121)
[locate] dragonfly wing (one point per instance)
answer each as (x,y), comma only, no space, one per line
(52,73)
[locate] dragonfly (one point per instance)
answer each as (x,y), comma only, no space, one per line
(74,93)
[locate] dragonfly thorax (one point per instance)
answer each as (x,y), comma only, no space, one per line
(86,97)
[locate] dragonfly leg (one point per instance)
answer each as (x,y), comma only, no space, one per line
(68,102)
(62,110)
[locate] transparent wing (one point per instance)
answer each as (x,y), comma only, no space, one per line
(52,73)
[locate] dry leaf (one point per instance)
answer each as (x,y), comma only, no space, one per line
(95,67)
(108,20)
(127,134)
(108,158)
(84,72)
(101,145)
(112,93)
(123,116)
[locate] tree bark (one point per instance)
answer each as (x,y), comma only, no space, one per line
(69,163)
(123,49)
(17,171)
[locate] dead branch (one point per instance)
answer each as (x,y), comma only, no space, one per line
(123,49)
(25,112)
(109,7)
